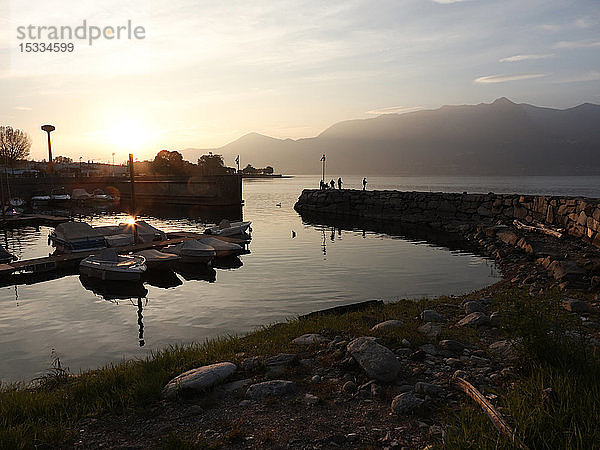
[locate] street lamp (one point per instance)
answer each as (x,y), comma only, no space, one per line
(113,165)
(48,129)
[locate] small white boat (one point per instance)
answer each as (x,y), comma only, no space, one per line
(16,202)
(40,198)
(70,237)
(108,265)
(226,228)
(192,251)
(156,258)
(222,248)
(101,197)
(59,196)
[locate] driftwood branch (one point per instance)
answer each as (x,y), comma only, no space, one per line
(538,228)
(501,425)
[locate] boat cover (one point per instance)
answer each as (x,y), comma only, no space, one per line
(156,256)
(218,244)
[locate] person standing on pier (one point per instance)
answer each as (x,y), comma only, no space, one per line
(364,184)
(332,183)
(340,183)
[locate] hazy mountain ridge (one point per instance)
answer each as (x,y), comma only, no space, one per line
(499,138)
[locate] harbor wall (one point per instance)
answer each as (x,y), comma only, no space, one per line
(224,190)
(578,216)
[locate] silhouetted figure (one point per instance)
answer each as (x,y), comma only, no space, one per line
(321,185)
(364,184)
(293,234)
(340,183)
(332,183)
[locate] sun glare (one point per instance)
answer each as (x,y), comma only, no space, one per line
(128,134)
(131,220)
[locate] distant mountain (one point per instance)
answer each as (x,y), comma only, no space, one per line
(500,138)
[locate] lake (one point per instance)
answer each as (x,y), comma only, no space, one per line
(292,268)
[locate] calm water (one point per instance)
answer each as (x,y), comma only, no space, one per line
(281,277)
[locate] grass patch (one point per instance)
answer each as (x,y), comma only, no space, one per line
(556,401)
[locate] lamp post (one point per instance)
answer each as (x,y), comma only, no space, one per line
(323,159)
(113,164)
(48,129)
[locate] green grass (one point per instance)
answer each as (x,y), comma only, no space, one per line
(550,357)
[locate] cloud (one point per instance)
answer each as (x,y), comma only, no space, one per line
(577,44)
(447,2)
(516,58)
(394,110)
(588,76)
(584,22)
(508,77)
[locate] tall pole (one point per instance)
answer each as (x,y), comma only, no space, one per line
(48,129)
(113,165)
(323,159)
(132,210)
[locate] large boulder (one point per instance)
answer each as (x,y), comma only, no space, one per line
(273,388)
(198,380)
(377,361)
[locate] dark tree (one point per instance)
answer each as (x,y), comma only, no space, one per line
(62,160)
(249,169)
(168,163)
(212,165)
(14,144)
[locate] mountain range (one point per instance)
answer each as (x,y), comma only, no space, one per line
(499,138)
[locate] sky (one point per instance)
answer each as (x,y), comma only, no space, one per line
(207,72)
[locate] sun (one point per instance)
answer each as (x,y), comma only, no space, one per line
(128,134)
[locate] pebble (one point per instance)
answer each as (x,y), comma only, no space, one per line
(430,389)
(430,329)
(406,342)
(406,403)
(311,400)
(474,306)
(310,339)
(451,346)
(388,325)
(273,388)
(282,359)
(429,315)
(250,364)
(474,319)
(315,379)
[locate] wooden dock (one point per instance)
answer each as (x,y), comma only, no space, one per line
(55,262)
(23,220)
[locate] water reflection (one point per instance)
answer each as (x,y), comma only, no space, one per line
(114,290)
(196,272)
(163,279)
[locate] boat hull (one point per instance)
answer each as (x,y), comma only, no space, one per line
(109,275)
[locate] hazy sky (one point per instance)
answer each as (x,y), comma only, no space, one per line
(208,72)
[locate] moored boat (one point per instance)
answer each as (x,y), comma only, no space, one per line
(100,196)
(108,265)
(81,196)
(226,228)
(40,198)
(156,258)
(59,196)
(192,251)
(222,248)
(71,237)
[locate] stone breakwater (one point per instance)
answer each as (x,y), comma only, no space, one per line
(576,216)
